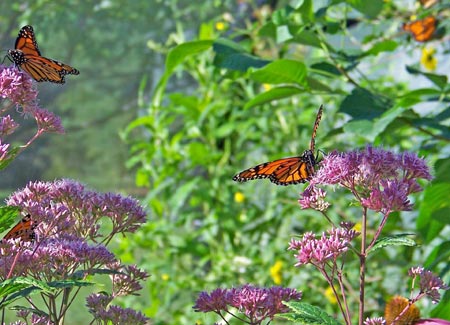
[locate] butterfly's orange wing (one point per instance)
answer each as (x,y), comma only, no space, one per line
(286,171)
(24,230)
(27,56)
(422,30)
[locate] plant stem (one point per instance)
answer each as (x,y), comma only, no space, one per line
(362,266)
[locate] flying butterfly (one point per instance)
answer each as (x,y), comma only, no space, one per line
(422,30)
(27,56)
(286,171)
(24,230)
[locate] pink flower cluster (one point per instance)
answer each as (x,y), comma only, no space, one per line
(381,180)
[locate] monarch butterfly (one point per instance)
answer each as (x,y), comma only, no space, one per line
(24,230)
(27,56)
(423,29)
(286,171)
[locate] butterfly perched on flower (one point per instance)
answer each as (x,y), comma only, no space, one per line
(423,29)
(27,56)
(286,171)
(24,230)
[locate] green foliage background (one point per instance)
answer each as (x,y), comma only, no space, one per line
(203,104)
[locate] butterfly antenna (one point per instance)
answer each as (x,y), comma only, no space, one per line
(312,144)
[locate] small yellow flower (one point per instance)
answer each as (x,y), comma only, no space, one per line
(276,272)
(220,26)
(165,277)
(357,226)
(267,87)
(239,197)
(329,294)
(428,60)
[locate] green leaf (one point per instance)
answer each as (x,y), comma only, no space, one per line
(326,69)
(438,79)
(306,11)
(12,153)
(273,94)
(361,104)
(281,71)
(315,84)
(370,8)
(441,168)
(231,55)
(440,253)
(69,284)
(383,46)
(175,57)
(19,287)
(307,314)
(394,240)
(179,53)
(8,215)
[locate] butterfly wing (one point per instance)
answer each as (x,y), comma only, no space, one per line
(294,171)
(422,30)
(28,57)
(285,171)
(24,230)
(26,41)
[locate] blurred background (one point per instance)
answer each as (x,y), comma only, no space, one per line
(174,137)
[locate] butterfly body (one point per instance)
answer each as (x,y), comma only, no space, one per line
(286,171)
(27,56)
(24,230)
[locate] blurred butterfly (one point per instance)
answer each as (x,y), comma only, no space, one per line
(28,57)
(422,30)
(428,3)
(286,171)
(24,230)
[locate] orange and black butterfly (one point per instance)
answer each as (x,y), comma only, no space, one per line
(27,56)
(422,30)
(24,230)
(286,171)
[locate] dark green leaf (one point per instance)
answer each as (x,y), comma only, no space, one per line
(438,79)
(362,104)
(179,53)
(441,253)
(69,284)
(328,68)
(8,215)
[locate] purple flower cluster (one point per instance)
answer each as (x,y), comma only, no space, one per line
(18,91)
(66,207)
(69,243)
(318,251)
(98,307)
(381,180)
(429,283)
(255,303)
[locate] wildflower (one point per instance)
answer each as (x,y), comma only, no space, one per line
(256,303)
(17,86)
(3,150)
(165,277)
(47,121)
(317,251)
(430,284)
(239,197)
(220,26)
(375,321)
(266,86)
(313,198)
(276,272)
(401,310)
(7,125)
(126,280)
(432,321)
(329,294)
(380,179)
(428,60)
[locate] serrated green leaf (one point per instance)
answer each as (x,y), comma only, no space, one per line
(307,314)
(69,284)
(19,287)
(272,94)
(395,240)
(281,71)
